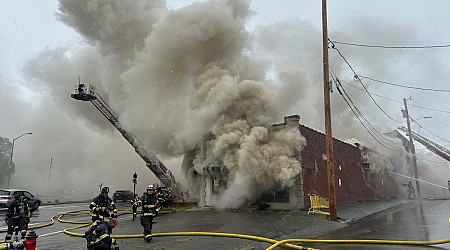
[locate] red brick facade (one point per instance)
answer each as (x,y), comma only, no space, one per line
(354,182)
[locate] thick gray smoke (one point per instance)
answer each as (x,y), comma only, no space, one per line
(173,75)
(258,161)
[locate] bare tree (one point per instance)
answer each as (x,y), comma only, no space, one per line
(5,156)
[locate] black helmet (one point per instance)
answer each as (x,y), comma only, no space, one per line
(16,195)
(105,190)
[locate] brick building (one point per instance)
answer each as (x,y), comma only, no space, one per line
(355,178)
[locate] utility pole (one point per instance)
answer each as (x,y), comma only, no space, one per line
(328,135)
(413,149)
(49,173)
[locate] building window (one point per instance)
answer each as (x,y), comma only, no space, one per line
(218,185)
(277,197)
(366,166)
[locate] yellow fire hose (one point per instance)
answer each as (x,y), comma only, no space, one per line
(275,243)
(52,221)
(388,242)
(213,234)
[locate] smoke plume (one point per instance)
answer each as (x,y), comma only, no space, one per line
(174,75)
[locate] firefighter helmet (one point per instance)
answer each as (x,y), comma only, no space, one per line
(16,195)
(105,190)
(150,187)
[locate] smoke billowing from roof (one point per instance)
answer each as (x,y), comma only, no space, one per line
(174,75)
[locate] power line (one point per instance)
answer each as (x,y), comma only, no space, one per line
(356,76)
(404,86)
(356,111)
(360,81)
(430,114)
(393,47)
(431,109)
(432,132)
(373,128)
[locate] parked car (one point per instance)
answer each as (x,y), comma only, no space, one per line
(123,195)
(7,195)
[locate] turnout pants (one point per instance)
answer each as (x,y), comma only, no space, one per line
(147,223)
(22,225)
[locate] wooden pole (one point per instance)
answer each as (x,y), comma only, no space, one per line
(413,150)
(328,134)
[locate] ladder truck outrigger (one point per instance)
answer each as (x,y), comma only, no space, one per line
(88,92)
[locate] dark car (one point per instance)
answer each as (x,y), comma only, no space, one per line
(123,195)
(7,195)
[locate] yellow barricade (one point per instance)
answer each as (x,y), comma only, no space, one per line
(318,203)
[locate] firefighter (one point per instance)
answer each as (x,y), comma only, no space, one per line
(169,197)
(28,213)
(18,215)
(161,194)
(98,236)
(149,211)
(101,206)
(410,190)
(135,203)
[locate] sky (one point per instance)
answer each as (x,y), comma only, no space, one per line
(156,63)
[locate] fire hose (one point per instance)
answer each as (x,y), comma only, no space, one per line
(275,243)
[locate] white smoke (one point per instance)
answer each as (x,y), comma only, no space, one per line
(174,75)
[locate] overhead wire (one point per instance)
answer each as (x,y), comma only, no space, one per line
(429,113)
(431,132)
(337,81)
(403,86)
(360,81)
(356,111)
(420,126)
(359,78)
(411,105)
(393,47)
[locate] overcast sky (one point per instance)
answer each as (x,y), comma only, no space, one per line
(41,55)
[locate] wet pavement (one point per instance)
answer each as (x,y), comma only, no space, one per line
(269,224)
(425,220)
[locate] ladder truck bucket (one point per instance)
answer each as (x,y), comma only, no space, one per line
(84,92)
(88,92)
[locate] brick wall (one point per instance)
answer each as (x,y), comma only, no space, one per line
(353,182)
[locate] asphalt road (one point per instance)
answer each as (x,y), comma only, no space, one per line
(418,220)
(425,220)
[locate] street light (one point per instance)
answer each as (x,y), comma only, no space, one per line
(134,180)
(12,153)
(425,117)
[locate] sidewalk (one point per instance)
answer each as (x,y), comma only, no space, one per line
(269,224)
(354,212)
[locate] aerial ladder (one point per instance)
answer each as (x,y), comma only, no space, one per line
(88,92)
(429,144)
